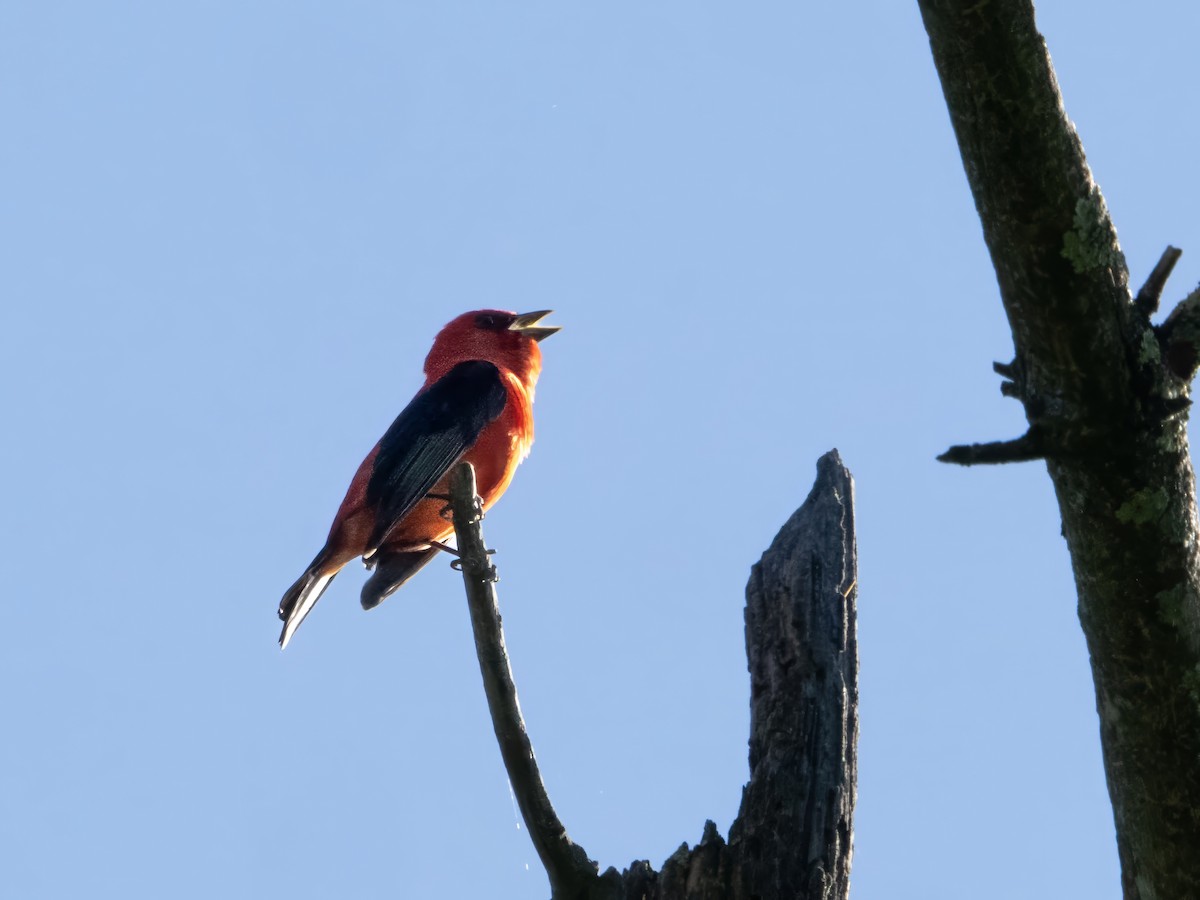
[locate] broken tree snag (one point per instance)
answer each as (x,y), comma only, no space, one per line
(1104,390)
(572,875)
(792,837)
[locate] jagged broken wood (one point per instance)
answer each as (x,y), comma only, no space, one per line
(793,833)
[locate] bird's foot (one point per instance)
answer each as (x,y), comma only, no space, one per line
(456,563)
(453,551)
(489,575)
(447,511)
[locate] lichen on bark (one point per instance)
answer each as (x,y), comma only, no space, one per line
(1106,396)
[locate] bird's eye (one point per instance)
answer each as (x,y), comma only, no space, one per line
(492,322)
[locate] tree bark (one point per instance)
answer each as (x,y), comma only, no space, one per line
(802,645)
(1105,394)
(792,836)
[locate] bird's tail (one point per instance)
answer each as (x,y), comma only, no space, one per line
(302,597)
(391,571)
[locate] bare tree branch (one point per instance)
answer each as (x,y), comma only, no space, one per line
(1102,390)
(572,874)
(1023,449)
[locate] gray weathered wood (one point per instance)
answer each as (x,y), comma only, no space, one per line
(801,640)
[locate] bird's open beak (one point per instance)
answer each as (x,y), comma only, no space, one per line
(527,324)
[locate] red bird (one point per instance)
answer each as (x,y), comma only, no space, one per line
(476,405)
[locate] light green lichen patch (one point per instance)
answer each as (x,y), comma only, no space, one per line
(1171,605)
(1091,244)
(1143,507)
(1174,438)
(1149,352)
(1191,683)
(1168,442)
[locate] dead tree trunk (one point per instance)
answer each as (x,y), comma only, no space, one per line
(1105,393)
(792,836)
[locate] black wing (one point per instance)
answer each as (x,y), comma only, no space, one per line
(429,437)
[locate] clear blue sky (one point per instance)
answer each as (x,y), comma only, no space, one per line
(228,234)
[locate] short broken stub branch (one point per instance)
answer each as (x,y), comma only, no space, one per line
(792,836)
(1160,396)
(1150,295)
(1028,446)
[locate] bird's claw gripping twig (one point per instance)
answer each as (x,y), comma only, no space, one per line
(491,575)
(457,564)
(447,511)
(453,551)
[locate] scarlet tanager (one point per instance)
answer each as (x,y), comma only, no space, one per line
(476,405)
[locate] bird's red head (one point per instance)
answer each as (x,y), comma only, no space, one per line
(508,339)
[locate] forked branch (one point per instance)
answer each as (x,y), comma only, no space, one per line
(792,836)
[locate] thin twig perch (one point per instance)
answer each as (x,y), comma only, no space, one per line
(570,871)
